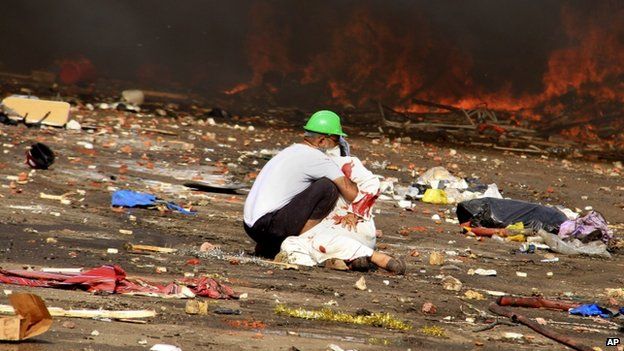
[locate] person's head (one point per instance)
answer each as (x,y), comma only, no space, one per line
(320,141)
(323,130)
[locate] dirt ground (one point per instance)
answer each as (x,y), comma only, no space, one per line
(125,155)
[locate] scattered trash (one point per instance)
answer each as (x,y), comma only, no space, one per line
(148,248)
(482,272)
(361,284)
(129,198)
(36,111)
(207,247)
(574,246)
(451,283)
(134,97)
(590,310)
(590,227)
(73,125)
(40,156)
(436,258)
(112,279)
(501,311)
(384,320)
(32,318)
(474,295)
(227,311)
(165,347)
(521,274)
(435,196)
(428,308)
(512,336)
(196,307)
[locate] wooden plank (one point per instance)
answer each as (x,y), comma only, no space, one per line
(60,312)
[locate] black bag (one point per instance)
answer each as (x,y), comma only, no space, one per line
(499,213)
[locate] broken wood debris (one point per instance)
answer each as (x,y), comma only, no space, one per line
(148,248)
(61,312)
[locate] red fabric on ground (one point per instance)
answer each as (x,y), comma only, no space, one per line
(112,279)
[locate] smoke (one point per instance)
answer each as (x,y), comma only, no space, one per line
(346,49)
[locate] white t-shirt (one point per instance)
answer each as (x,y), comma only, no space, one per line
(287,174)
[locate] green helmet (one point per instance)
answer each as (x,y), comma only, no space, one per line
(324,122)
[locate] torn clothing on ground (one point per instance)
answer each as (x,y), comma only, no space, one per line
(112,279)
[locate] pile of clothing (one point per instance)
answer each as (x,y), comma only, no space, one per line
(111,279)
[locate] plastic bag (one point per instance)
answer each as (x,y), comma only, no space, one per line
(435,196)
(574,247)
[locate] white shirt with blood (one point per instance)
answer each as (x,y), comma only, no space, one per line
(329,240)
(287,174)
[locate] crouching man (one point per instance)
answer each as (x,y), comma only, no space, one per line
(298,187)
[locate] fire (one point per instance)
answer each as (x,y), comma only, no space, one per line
(237,89)
(366,58)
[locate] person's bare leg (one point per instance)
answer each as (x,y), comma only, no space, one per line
(309,225)
(388,263)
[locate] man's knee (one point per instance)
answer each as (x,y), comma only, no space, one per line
(327,188)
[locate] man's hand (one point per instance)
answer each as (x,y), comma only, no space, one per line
(348,221)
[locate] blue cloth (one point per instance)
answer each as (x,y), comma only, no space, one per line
(174,207)
(129,198)
(592,310)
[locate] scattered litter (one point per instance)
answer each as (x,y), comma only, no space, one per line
(589,310)
(165,347)
(129,198)
(32,318)
(590,227)
(196,307)
(451,283)
(513,336)
(436,258)
(482,272)
(474,295)
(40,156)
(36,111)
(112,279)
(428,308)
(575,246)
(73,125)
(361,284)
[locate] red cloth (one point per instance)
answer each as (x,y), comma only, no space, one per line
(112,279)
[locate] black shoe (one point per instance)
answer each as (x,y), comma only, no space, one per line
(396,266)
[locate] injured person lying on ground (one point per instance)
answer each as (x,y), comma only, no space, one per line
(299,188)
(348,233)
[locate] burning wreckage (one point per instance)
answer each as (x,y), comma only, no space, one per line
(426,207)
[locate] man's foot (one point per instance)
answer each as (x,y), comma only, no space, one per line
(360,264)
(396,266)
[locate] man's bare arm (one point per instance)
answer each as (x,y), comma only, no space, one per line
(347,188)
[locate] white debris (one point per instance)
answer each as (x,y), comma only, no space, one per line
(73,125)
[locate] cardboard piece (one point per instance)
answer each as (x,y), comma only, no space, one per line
(51,113)
(31,320)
